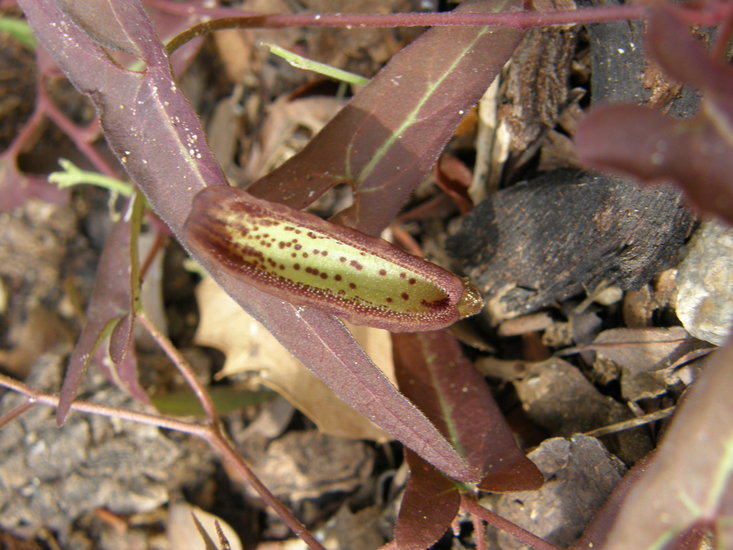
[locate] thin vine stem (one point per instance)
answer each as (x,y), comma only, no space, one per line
(231,19)
(229,454)
(42,398)
(212,434)
(183,367)
(76,134)
(227,18)
(468,504)
(15,413)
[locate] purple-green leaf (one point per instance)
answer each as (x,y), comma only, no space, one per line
(385,141)
(433,372)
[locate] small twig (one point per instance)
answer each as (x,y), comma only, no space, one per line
(160,240)
(631,423)
(42,398)
(75,133)
(15,413)
(183,367)
(232,19)
(469,505)
(613,345)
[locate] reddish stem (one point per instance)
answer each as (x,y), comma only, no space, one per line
(183,367)
(211,434)
(521,20)
(469,505)
(160,240)
(231,19)
(78,135)
(15,412)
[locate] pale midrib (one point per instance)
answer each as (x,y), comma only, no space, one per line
(412,116)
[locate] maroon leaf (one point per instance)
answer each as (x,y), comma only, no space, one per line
(685,59)
(124,373)
(111,307)
(100,21)
(384,142)
(454,178)
(429,505)
(695,153)
(437,377)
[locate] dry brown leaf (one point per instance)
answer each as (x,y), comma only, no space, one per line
(223,131)
(42,332)
(355,530)
(248,346)
(182,531)
(236,47)
(363,50)
(687,484)
(643,349)
(557,396)
(580,474)
(282,130)
(643,355)
(308,465)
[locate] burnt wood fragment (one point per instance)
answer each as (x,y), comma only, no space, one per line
(546,240)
